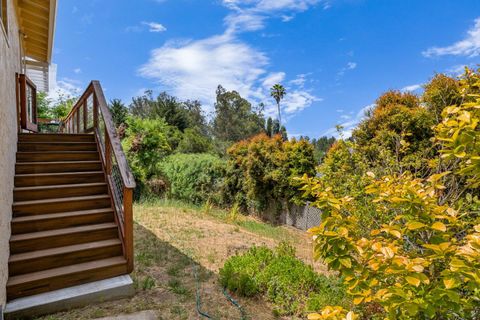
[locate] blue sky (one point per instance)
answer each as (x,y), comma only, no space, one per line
(333,56)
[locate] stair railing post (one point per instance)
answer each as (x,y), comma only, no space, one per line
(128,227)
(95,110)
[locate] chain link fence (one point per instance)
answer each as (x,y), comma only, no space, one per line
(302,217)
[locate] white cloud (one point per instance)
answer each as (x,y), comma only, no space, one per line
(244,22)
(350,123)
(410,88)
(250,15)
(193,69)
(273,78)
(196,68)
(300,80)
(349,66)
(297,100)
(155,26)
(286,18)
(469,46)
(77,70)
(459,69)
(64,89)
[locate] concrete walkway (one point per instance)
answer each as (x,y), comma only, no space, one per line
(144,315)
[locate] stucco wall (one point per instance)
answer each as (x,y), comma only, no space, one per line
(9,64)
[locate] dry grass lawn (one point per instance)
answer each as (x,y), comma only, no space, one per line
(180,247)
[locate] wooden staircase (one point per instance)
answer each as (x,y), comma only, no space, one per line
(64,228)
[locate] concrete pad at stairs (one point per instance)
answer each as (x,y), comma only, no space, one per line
(144,315)
(69,298)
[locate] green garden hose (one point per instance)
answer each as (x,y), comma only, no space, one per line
(225,293)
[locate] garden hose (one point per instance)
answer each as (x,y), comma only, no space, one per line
(197,294)
(236,304)
(225,293)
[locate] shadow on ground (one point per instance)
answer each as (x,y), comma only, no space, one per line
(166,280)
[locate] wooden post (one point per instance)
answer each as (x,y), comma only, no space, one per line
(128,227)
(95,111)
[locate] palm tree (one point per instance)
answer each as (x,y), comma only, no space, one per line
(278,92)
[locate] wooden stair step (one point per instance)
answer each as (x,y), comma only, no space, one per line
(58,191)
(56,146)
(43,179)
(23,263)
(44,222)
(55,137)
(34,207)
(56,156)
(57,166)
(41,240)
(62,277)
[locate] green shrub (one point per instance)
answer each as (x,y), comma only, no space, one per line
(146,143)
(240,272)
(263,169)
(292,286)
(193,177)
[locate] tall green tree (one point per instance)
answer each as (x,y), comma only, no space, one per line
(62,106)
(234,117)
(164,106)
(322,145)
(269,126)
(196,117)
(275,127)
(119,112)
(43,105)
(278,92)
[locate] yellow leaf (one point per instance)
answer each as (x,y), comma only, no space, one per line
(357,300)
(444,245)
(413,281)
(351,316)
(449,283)
(395,233)
(413,225)
(371,174)
(417,268)
(439,226)
(314,316)
(387,252)
(397,199)
(346,262)
(373,283)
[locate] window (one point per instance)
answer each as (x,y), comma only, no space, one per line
(4,14)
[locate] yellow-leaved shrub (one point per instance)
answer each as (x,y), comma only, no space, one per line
(421,258)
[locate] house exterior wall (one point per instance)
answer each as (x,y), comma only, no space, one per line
(9,65)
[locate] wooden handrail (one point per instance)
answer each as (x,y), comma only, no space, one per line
(113,159)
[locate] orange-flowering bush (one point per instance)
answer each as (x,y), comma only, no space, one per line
(421,257)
